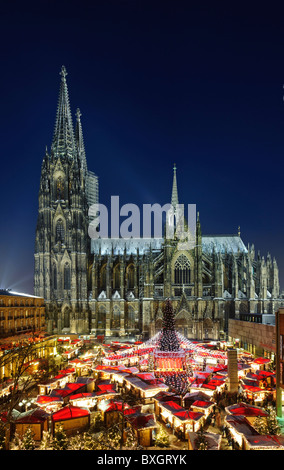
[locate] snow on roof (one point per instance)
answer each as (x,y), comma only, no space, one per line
(120,244)
(213,440)
(222,243)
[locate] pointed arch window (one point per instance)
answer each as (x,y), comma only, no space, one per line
(67,277)
(116,277)
(103,278)
(59,188)
(101,319)
(130,318)
(54,277)
(116,317)
(182,270)
(60,232)
(130,277)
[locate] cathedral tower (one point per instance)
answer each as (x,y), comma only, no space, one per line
(62,241)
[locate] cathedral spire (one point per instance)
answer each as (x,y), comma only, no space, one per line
(174,200)
(80,141)
(63,138)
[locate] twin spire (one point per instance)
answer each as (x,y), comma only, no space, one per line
(65,142)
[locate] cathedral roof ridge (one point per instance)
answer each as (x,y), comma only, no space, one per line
(221,235)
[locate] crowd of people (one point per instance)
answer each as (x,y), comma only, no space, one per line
(176,380)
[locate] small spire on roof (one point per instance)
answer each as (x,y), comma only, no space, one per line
(78,114)
(174,201)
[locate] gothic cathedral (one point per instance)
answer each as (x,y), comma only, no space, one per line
(117,287)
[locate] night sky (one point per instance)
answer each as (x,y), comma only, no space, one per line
(199,84)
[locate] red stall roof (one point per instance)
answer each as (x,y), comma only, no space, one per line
(189,415)
(172,406)
(81,395)
(142,421)
(104,387)
(44,399)
(264,441)
(36,415)
(261,360)
(74,385)
(246,410)
(69,412)
(251,388)
(202,403)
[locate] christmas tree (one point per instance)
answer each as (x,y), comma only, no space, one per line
(28,440)
(60,441)
(162,439)
(168,339)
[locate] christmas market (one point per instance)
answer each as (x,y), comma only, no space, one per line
(164,388)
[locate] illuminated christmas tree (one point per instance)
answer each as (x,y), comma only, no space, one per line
(169,340)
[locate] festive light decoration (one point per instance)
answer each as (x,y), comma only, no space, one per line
(169,340)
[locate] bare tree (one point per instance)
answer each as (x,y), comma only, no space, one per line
(19,362)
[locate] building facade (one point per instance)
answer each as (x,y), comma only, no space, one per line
(20,313)
(117,287)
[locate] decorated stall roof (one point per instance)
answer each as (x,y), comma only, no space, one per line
(106,386)
(45,399)
(241,425)
(67,371)
(261,360)
(36,415)
(82,395)
(142,421)
(246,409)
(265,442)
(172,406)
(146,376)
(61,392)
(202,404)
(166,396)
(187,415)
(213,440)
(74,385)
(69,412)
(199,395)
(252,388)
(120,406)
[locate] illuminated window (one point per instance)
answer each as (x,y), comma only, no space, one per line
(60,232)
(116,317)
(59,188)
(101,318)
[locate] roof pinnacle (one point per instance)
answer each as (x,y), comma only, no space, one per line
(63,72)
(174,201)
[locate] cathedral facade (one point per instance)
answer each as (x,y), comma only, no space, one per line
(117,287)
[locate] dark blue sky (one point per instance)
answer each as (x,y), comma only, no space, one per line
(195,83)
